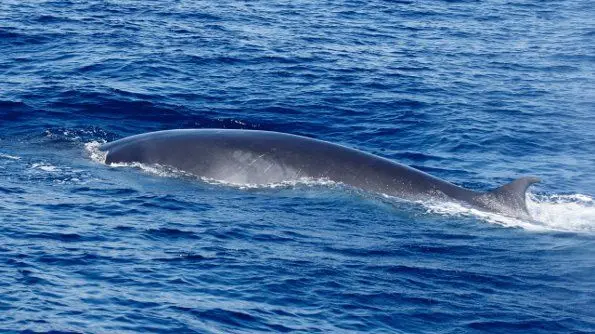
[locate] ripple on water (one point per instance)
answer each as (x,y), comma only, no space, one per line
(476,93)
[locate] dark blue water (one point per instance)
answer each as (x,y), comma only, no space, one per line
(475,92)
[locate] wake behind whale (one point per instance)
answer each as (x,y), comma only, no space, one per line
(265,157)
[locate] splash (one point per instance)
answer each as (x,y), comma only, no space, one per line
(573,213)
(303,181)
(74,134)
(167,171)
(455,209)
(155,169)
(97,155)
(563,213)
(46,167)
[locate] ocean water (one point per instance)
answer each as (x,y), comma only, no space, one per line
(475,92)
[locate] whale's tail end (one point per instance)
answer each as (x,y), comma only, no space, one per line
(509,199)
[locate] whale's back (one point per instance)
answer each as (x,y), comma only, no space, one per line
(265,157)
(258,157)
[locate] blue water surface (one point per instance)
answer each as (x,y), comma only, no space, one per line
(475,92)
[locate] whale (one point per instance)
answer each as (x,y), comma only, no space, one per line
(257,157)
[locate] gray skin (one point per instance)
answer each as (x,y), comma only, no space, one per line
(265,157)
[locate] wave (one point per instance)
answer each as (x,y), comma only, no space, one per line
(9,157)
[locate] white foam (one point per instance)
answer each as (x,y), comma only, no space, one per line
(303,181)
(166,171)
(565,213)
(10,157)
(573,213)
(95,153)
(155,169)
(459,210)
(45,167)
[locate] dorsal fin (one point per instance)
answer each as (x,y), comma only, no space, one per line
(509,199)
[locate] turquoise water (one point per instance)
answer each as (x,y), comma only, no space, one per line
(477,93)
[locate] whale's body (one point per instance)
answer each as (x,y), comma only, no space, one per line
(265,157)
